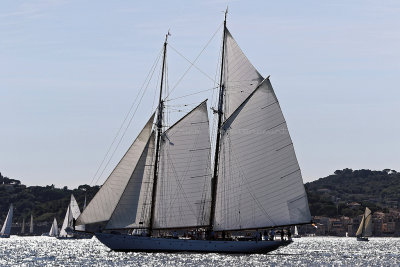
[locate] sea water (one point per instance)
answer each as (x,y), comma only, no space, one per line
(306,251)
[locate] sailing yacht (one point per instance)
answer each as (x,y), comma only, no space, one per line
(164,194)
(71,215)
(6,229)
(31,226)
(54,228)
(296,232)
(365,228)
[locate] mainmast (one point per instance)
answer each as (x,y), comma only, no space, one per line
(158,138)
(214,181)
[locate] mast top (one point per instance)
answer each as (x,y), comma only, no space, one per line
(226,13)
(166,37)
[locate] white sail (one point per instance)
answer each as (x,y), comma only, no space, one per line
(133,209)
(23,226)
(184,179)
(104,202)
(31,225)
(75,211)
(259,180)
(240,77)
(296,232)
(67,222)
(6,229)
(365,228)
(54,228)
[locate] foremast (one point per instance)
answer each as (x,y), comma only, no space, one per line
(214,181)
(158,138)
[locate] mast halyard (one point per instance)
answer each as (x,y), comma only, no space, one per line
(214,181)
(158,138)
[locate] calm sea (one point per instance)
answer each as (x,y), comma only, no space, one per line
(311,251)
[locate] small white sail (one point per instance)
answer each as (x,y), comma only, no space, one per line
(259,181)
(133,209)
(67,222)
(296,232)
(23,226)
(184,179)
(54,228)
(105,201)
(6,229)
(365,228)
(31,225)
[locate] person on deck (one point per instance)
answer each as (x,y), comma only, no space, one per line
(282,235)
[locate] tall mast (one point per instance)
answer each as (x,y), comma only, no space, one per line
(214,181)
(159,132)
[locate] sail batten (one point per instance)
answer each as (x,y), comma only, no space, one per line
(183,189)
(102,206)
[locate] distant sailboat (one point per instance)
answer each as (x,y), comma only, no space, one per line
(165,182)
(31,226)
(71,215)
(23,227)
(6,230)
(54,228)
(365,228)
(296,232)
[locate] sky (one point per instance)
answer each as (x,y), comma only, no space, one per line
(71,70)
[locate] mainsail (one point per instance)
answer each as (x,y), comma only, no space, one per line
(259,179)
(102,206)
(6,229)
(184,179)
(365,228)
(54,228)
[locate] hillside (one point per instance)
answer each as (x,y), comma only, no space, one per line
(44,202)
(346,192)
(340,193)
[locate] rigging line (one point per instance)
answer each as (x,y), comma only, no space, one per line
(148,79)
(192,63)
(126,116)
(199,92)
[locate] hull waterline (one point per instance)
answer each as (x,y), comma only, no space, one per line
(132,243)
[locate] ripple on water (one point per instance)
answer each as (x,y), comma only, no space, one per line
(316,251)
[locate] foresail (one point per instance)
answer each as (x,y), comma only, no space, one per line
(6,229)
(240,77)
(184,179)
(259,179)
(104,202)
(133,209)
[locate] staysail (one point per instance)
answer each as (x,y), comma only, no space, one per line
(105,201)
(365,228)
(259,179)
(6,229)
(133,209)
(184,179)
(54,228)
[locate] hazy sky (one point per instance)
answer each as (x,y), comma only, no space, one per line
(70,70)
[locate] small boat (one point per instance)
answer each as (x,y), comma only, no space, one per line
(68,227)
(296,232)
(31,226)
(54,229)
(6,229)
(365,228)
(166,182)
(22,233)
